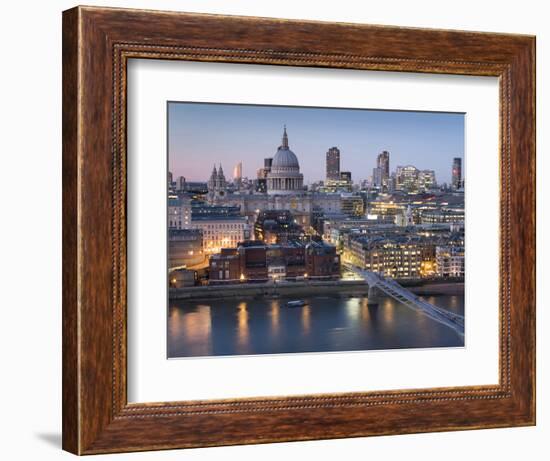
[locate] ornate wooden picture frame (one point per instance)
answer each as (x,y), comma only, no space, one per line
(97,44)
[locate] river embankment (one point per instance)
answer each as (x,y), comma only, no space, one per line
(303,288)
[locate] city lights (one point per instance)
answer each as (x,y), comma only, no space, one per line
(400,224)
(351,246)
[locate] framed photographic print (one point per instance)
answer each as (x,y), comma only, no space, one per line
(285,230)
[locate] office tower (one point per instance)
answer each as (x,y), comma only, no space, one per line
(181,183)
(406,178)
(238,171)
(333,164)
(426,180)
(383,167)
(457,173)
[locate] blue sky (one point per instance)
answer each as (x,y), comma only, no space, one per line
(200,135)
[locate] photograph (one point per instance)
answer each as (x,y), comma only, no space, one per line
(313,229)
(276,224)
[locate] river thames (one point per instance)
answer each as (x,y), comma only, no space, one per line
(218,327)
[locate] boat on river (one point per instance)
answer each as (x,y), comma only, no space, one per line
(296,303)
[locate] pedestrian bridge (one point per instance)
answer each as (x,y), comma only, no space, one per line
(393,289)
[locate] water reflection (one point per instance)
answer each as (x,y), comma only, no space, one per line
(365,312)
(353,309)
(242,327)
(190,330)
(306,319)
(275,313)
(454,302)
(388,308)
(329,323)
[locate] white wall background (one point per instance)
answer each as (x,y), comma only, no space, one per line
(30,234)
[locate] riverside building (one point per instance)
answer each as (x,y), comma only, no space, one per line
(259,262)
(449,261)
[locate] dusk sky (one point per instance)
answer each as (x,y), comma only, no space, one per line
(200,135)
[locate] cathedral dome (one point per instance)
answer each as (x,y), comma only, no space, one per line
(285,158)
(284,176)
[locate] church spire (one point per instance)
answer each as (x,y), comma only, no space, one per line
(285,139)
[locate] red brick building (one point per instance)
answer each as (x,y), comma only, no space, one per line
(258,262)
(322,260)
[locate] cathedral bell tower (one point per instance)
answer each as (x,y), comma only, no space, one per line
(217,185)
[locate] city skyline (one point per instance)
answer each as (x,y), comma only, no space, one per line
(250,133)
(282,247)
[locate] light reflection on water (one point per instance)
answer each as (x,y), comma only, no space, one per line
(306,320)
(329,323)
(275,317)
(242,328)
(194,325)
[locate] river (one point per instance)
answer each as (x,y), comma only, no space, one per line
(218,327)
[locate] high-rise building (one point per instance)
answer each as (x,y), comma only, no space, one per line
(333,164)
(406,178)
(457,173)
(426,180)
(181,183)
(383,166)
(238,172)
(392,183)
(376,177)
(411,179)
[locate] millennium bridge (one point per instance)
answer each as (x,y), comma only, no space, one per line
(393,289)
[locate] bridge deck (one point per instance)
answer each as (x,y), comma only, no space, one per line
(409,299)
